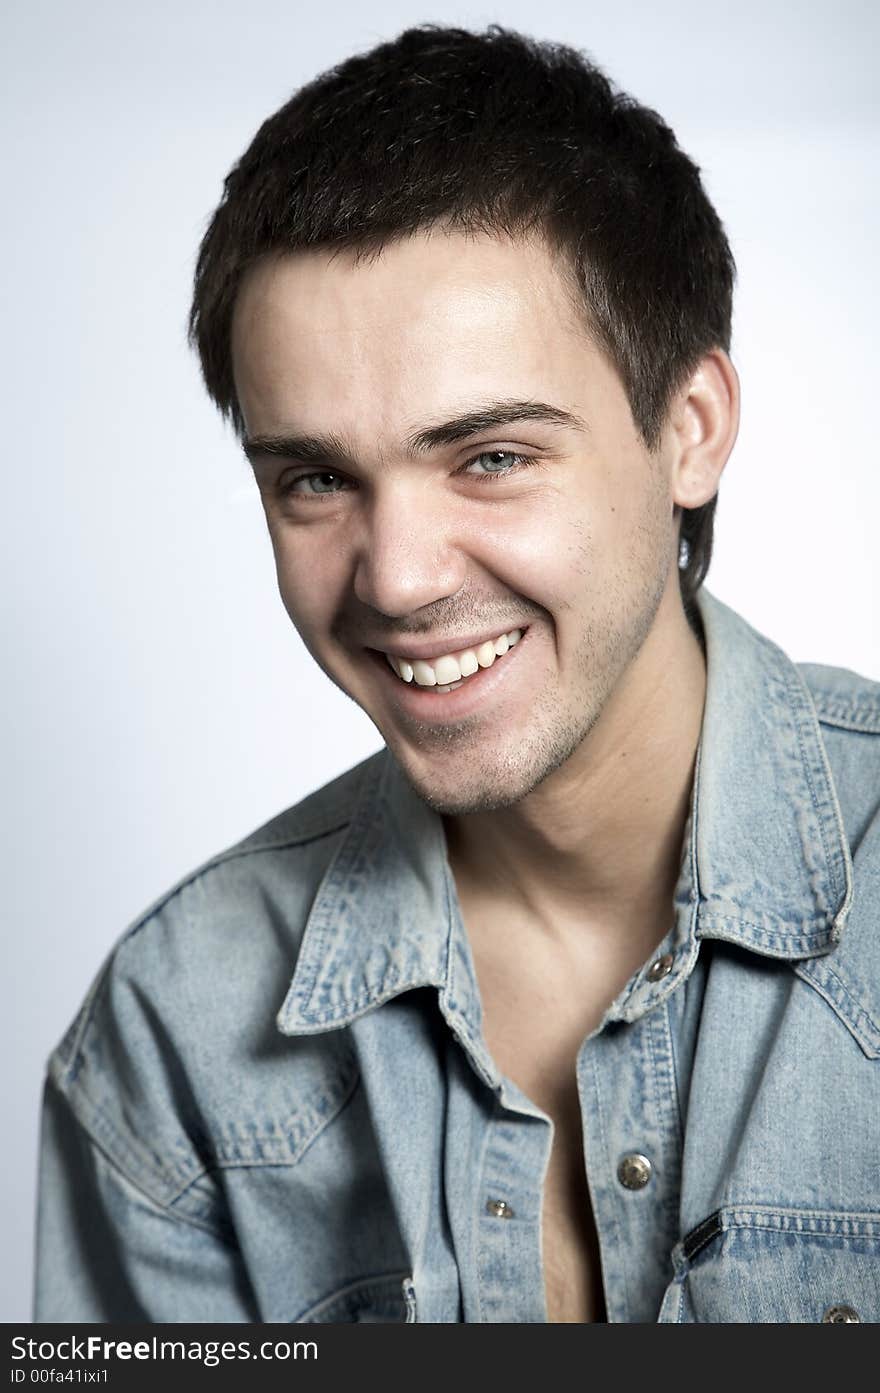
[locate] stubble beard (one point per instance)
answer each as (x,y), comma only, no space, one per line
(488,782)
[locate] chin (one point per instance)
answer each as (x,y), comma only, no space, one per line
(494,784)
(449,804)
(484,790)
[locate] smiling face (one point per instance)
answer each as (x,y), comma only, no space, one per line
(444,457)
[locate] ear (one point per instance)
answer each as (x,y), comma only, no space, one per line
(704,421)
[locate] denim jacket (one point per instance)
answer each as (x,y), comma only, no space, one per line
(276,1102)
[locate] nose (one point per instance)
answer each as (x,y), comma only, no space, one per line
(407,557)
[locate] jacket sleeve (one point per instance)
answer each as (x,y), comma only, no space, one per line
(108,1251)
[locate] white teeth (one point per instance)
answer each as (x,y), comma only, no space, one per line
(446,673)
(400,667)
(424,674)
(447,670)
(467,661)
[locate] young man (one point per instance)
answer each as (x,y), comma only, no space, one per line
(564,1006)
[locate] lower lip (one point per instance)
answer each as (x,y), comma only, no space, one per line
(427,704)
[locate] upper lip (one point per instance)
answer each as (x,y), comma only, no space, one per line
(426,648)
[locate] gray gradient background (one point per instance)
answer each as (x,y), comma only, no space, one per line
(158,704)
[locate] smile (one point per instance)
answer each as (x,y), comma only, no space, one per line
(449,671)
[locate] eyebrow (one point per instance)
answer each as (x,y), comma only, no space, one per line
(331,450)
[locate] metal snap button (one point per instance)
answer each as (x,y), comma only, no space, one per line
(499,1209)
(661,968)
(634,1171)
(841,1315)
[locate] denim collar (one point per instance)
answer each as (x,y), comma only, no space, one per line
(765,862)
(773,864)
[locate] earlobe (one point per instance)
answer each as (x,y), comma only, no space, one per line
(705,421)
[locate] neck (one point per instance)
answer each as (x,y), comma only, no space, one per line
(600,839)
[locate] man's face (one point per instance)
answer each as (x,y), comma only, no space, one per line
(559,527)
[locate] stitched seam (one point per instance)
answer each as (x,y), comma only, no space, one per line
(99,986)
(849,715)
(857,724)
(680,1320)
(69,1072)
(216,1167)
(810,926)
(842,851)
(181,1185)
(803,1222)
(673,1132)
(379,1280)
(857,1020)
(373,996)
(321,919)
(796,700)
(160,1206)
(222,859)
(497,1112)
(859,1010)
(600,1110)
(91,1116)
(711,918)
(449,985)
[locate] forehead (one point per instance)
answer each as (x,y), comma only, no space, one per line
(436,318)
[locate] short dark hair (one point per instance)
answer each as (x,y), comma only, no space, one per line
(495,132)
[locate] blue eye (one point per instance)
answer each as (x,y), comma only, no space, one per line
(487,466)
(500,462)
(325,482)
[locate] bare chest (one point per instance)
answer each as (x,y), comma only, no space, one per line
(544,1068)
(541,998)
(570,1246)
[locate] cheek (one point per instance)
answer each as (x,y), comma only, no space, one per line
(310,573)
(568,551)
(543,550)
(626,520)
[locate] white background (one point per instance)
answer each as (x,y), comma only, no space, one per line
(158,704)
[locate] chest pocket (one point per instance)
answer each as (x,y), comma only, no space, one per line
(779,1266)
(375,1299)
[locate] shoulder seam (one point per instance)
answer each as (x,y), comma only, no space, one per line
(831,710)
(843,698)
(164,1207)
(308,830)
(230,854)
(69,1069)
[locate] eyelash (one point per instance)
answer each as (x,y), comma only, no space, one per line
(520,462)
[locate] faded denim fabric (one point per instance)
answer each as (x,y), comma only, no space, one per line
(276,1103)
